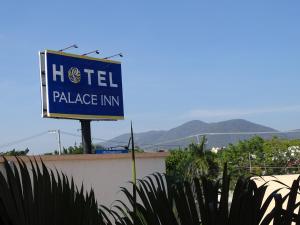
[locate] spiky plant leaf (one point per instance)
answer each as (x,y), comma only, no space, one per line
(31,194)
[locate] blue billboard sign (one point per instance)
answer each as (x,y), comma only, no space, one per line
(80,87)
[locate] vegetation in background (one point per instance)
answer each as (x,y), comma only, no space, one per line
(254,156)
(261,157)
(15,152)
(73,150)
(76,149)
(191,162)
(136,149)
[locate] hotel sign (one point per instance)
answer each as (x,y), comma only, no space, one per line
(80,87)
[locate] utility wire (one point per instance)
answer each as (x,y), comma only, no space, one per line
(23,139)
(94,138)
(46,132)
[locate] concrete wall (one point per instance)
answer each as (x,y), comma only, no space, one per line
(104,173)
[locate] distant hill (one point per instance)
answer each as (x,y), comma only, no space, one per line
(179,136)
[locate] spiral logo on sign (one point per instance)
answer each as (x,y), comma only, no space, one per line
(74,75)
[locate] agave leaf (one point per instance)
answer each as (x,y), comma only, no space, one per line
(182,205)
(15,191)
(191,203)
(277,210)
(204,215)
(8,206)
(42,199)
(288,216)
(266,204)
(151,216)
(223,206)
(28,200)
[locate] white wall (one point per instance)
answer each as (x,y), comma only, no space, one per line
(105,173)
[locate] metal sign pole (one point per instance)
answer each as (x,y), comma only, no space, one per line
(86,136)
(59,141)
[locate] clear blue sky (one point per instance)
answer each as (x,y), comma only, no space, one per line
(184,60)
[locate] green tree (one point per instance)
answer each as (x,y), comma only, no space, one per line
(192,161)
(244,158)
(282,153)
(76,149)
(73,150)
(177,162)
(15,152)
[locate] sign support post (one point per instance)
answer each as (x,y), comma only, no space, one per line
(86,136)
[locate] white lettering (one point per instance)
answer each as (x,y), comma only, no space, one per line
(94,99)
(55,95)
(59,72)
(101,99)
(107,100)
(78,99)
(89,74)
(63,98)
(69,98)
(115,100)
(101,78)
(84,99)
(111,84)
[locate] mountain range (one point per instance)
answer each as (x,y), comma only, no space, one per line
(187,133)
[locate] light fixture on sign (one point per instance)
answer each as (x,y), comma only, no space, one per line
(88,53)
(119,54)
(71,46)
